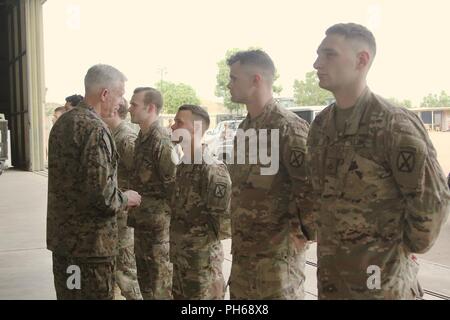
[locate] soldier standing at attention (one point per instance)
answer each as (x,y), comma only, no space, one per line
(200,213)
(124,137)
(381,194)
(271,213)
(83,197)
(154,174)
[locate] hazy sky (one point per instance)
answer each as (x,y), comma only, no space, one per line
(188,37)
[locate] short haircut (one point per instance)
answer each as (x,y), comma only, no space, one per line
(123,109)
(102,76)
(59,109)
(197,112)
(151,96)
(74,100)
(354,31)
(255,58)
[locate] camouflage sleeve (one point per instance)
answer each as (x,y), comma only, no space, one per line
(218,197)
(315,192)
(101,176)
(126,151)
(294,160)
(172,197)
(419,178)
(448,180)
(166,165)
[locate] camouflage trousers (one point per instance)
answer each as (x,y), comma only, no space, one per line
(95,276)
(200,276)
(154,270)
(263,277)
(399,282)
(126,274)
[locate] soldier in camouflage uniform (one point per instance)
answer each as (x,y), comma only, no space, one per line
(124,137)
(200,214)
(271,214)
(83,196)
(154,174)
(381,194)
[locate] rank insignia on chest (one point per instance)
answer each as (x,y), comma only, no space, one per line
(219,191)
(297,157)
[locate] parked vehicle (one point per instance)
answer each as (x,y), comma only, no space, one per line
(307,113)
(220,139)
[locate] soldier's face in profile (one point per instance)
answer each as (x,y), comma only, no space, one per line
(183,129)
(114,97)
(184,120)
(336,63)
(137,109)
(240,84)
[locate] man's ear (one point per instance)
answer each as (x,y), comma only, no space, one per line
(363,59)
(104,94)
(257,78)
(151,107)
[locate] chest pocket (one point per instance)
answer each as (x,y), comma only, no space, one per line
(187,192)
(145,165)
(365,175)
(258,181)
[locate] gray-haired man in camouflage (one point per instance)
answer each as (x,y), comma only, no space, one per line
(83,197)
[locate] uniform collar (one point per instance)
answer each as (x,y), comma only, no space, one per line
(260,120)
(83,104)
(207,157)
(355,119)
(118,128)
(150,131)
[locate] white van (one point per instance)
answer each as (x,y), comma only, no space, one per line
(307,113)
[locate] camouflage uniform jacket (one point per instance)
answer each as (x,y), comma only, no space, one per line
(200,212)
(381,195)
(124,136)
(83,197)
(272,214)
(153,178)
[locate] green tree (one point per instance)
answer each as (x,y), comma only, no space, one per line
(433,100)
(223,77)
(176,94)
(308,93)
(401,103)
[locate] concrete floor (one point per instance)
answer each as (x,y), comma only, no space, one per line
(25,263)
(26,267)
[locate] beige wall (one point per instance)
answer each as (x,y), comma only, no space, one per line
(446,121)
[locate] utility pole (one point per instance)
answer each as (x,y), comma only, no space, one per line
(162,71)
